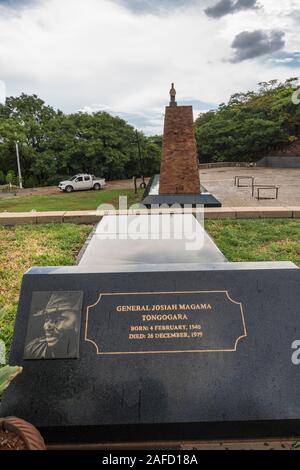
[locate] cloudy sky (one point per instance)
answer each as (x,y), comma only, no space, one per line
(122,55)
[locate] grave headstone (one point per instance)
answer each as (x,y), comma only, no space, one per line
(157,350)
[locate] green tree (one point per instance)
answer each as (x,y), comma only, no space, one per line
(10,177)
(250,125)
(54,146)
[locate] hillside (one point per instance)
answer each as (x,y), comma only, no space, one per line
(250,125)
(287,150)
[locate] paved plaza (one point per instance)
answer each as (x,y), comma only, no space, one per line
(220,182)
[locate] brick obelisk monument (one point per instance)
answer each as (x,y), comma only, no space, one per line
(179,180)
(179,173)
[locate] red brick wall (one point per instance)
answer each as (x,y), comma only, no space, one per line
(179,164)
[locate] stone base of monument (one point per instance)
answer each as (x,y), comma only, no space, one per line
(146,349)
(152,197)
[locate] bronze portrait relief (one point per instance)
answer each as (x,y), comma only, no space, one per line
(54,325)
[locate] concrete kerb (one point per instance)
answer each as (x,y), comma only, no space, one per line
(263,212)
(82,217)
(17,218)
(296,211)
(93,217)
(49,217)
(220,213)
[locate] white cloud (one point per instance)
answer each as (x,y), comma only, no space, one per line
(75,53)
(155,6)
(283,61)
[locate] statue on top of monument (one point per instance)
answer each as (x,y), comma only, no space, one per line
(173,96)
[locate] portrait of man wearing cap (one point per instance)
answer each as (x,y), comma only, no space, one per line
(53,331)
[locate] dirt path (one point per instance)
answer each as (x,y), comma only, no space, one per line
(47,190)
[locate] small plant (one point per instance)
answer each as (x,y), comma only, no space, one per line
(7,374)
(10,178)
(15,433)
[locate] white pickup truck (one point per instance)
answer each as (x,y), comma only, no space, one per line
(81,182)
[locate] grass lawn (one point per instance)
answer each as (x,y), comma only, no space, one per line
(42,245)
(76,201)
(257,240)
(25,246)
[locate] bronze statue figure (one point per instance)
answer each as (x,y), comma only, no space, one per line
(173,96)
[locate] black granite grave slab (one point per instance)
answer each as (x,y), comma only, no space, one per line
(193,200)
(150,239)
(152,197)
(172,352)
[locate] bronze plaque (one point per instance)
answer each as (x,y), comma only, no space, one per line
(165,322)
